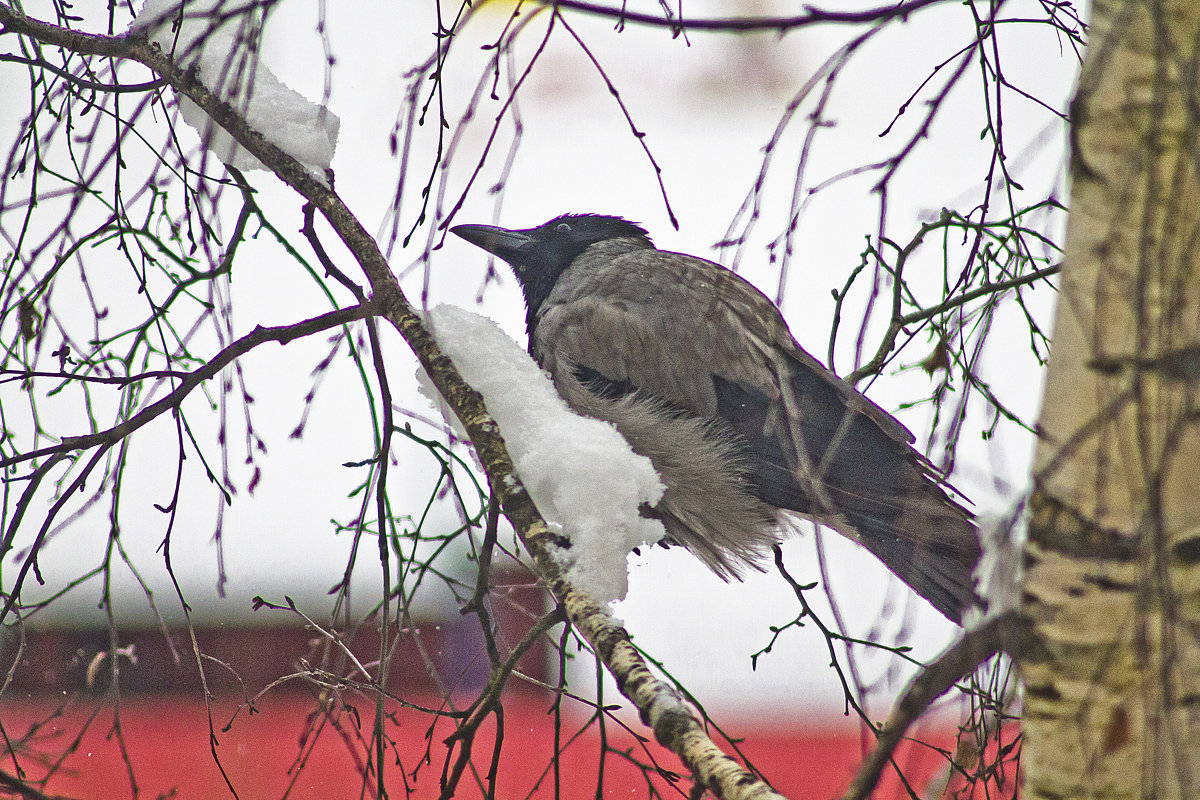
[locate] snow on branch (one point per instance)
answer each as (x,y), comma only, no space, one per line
(219,39)
(660,705)
(580,472)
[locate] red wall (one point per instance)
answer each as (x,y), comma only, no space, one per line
(166,738)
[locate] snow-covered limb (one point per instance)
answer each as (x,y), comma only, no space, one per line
(219,39)
(583,476)
(581,473)
(684,735)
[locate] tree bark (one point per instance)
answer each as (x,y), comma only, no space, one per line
(1112,585)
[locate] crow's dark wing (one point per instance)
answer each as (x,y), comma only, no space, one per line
(607,341)
(706,344)
(870,487)
(657,320)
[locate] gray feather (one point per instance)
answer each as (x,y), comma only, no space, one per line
(707,507)
(699,372)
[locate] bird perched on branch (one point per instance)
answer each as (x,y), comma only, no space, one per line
(699,372)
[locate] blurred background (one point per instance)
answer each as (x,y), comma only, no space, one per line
(766,152)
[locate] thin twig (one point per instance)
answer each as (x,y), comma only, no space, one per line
(998,634)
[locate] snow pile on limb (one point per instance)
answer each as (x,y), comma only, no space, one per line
(580,473)
(219,38)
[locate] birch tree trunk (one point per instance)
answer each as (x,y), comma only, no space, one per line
(1112,696)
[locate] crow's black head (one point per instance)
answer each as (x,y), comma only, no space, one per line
(539,255)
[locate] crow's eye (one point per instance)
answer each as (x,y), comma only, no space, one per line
(563,228)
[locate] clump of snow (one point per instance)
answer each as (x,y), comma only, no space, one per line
(580,473)
(212,37)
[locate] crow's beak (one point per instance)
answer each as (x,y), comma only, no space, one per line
(499,242)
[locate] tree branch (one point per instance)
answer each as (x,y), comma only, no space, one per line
(190,380)
(812,16)
(23,790)
(898,324)
(1001,633)
(660,706)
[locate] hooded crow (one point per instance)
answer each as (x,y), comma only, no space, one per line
(699,372)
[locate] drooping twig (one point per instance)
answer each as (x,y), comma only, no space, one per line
(998,634)
(888,342)
(811,16)
(260,335)
(23,790)
(661,707)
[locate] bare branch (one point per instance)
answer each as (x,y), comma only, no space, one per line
(660,706)
(813,16)
(888,341)
(281,334)
(998,634)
